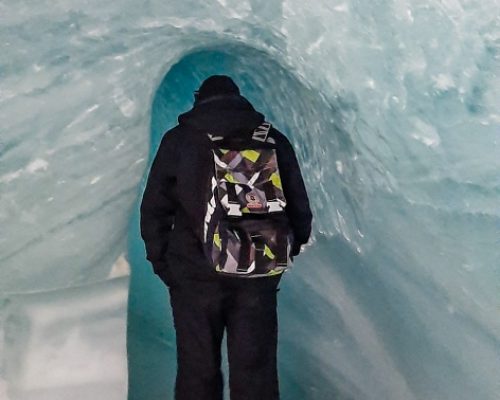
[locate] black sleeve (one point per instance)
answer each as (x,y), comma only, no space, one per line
(297,208)
(158,206)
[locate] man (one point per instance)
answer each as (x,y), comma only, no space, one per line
(205,302)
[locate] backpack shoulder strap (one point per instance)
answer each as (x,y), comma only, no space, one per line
(260,133)
(214,138)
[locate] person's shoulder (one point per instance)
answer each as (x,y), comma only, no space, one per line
(280,138)
(174,131)
(172,135)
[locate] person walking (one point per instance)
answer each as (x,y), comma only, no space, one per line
(210,238)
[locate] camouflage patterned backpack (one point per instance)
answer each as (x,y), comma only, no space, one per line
(246,230)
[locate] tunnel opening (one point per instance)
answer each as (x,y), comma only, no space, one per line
(302,114)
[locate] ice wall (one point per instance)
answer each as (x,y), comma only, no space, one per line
(392,107)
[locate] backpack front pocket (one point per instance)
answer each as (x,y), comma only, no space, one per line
(252,246)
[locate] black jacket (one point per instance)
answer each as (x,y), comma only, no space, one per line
(173,208)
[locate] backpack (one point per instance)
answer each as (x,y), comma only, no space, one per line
(246,230)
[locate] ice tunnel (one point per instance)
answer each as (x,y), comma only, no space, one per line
(285,99)
(392,108)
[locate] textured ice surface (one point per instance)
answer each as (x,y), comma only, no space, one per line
(393,108)
(66,343)
(65,340)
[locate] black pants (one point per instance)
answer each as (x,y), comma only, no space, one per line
(247,308)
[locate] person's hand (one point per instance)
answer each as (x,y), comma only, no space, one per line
(295,249)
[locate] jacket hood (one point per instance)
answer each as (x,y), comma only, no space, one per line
(223,115)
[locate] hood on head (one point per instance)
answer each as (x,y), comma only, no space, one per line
(223,115)
(217,85)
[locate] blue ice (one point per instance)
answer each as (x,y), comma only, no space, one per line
(393,109)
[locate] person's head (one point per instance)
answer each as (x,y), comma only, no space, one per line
(216,85)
